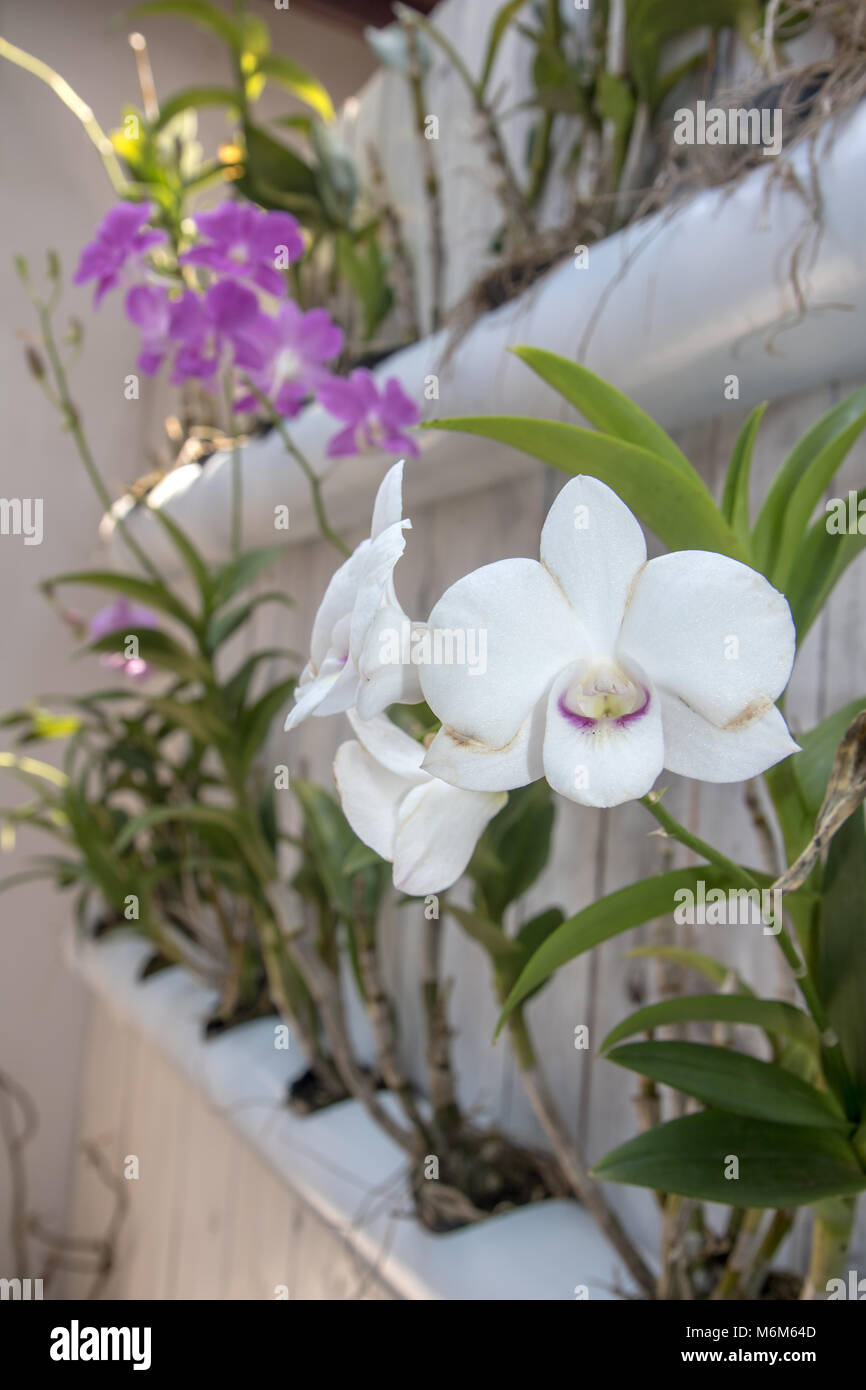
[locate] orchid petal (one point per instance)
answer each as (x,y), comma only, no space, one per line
(310,695)
(438,828)
(593,546)
(370,796)
(711,630)
(475,766)
(696,748)
(531,633)
(337,601)
(391,746)
(601,762)
(376,583)
(388,507)
(387,682)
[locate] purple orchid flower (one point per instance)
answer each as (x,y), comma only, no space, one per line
(245,242)
(374,419)
(150,309)
(121,238)
(126,617)
(296,345)
(221,324)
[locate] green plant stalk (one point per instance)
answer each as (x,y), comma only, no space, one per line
(568,1155)
(73,421)
(70,98)
(379,1011)
(835,1060)
(513,200)
(318,978)
(831,1236)
(447,1115)
(432,190)
(237,504)
(729,1282)
(272,947)
(674,1279)
(306,467)
(543,148)
(773,1237)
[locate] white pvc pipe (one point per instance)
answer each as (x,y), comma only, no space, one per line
(686,299)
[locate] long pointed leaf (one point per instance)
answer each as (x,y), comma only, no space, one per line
(608,917)
(772,1015)
(731,1081)
(776,1165)
(679,510)
(767,535)
(822,559)
(735,501)
(139,590)
(604,406)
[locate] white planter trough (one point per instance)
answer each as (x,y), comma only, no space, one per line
(546,1251)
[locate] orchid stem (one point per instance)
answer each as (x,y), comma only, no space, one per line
(237,521)
(570,1159)
(328,533)
(72,419)
(70,98)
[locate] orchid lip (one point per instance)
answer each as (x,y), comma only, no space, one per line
(604,696)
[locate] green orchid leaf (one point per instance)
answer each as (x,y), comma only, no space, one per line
(822,559)
(731,1081)
(244,570)
(191,98)
(716,971)
(198,12)
(814,763)
(300,83)
(735,502)
(144,591)
(677,508)
(815,451)
(604,406)
(608,917)
(773,1016)
(737,1160)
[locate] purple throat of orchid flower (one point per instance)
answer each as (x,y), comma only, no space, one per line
(603,697)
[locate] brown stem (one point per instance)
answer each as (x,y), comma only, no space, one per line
(775,1234)
(740,1257)
(674,1281)
(16,1140)
(402,269)
(510,192)
(763,829)
(432,189)
(325,993)
(570,1159)
(271,946)
(443,1091)
(380,1014)
(615,63)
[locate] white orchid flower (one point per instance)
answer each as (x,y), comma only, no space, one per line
(356,623)
(424,827)
(602,668)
